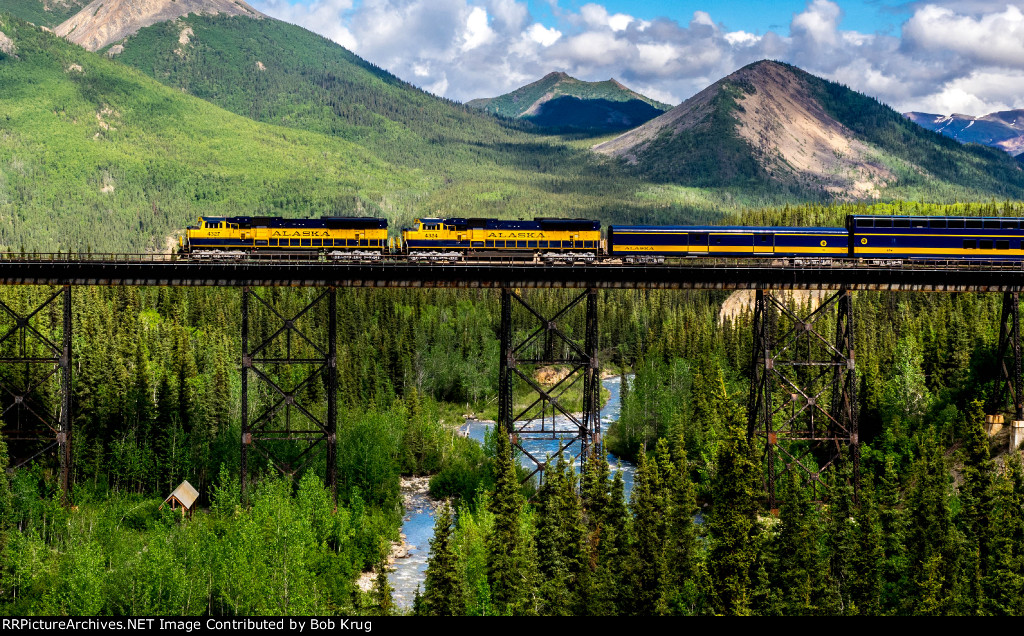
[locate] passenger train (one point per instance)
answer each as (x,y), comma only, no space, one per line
(868,237)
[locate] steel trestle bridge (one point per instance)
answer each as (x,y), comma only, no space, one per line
(802,404)
(505,272)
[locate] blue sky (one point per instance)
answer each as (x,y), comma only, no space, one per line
(938,56)
(754,17)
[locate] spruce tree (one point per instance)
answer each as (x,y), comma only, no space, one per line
(799,574)
(647,566)
(732,524)
(1004,578)
(443,593)
(595,498)
(616,548)
(505,540)
(976,509)
(559,541)
(893,524)
(382,592)
(866,563)
(6,496)
(681,536)
(931,541)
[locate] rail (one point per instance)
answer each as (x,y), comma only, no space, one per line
(701,262)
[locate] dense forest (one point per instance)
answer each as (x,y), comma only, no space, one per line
(936,527)
(100,154)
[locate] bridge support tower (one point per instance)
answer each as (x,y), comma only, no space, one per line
(563,340)
(1007,384)
(35,387)
(293,362)
(803,400)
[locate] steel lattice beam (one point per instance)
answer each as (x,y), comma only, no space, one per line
(30,426)
(803,401)
(287,418)
(536,340)
(1007,381)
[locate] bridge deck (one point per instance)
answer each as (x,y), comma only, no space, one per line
(698,273)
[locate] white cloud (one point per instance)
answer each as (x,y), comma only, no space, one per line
(742,38)
(965,55)
(321,16)
(819,22)
(993,38)
(619,21)
(543,35)
(477,32)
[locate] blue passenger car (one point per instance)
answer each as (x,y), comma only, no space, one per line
(645,243)
(936,237)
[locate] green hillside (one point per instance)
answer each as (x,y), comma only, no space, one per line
(560,101)
(47,13)
(96,155)
(108,159)
(707,150)
(279,73)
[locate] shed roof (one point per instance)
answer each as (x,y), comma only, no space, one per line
(185,494)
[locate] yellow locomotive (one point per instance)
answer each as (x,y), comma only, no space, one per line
(542,238)
(339,238)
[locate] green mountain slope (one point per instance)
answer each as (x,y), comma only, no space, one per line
(94,154)
(558,100)
(105,157)
(47,13)
(771,125)
(279,73)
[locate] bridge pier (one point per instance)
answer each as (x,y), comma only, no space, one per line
(803,401)
(30,427)
(1007,380)
(531,341)
(281,346)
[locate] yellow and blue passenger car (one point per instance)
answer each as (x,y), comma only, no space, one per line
(935,237)
(338,237)
(647,243)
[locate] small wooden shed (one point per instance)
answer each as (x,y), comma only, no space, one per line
(184,496)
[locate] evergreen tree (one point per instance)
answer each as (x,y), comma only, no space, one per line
(595,498)
(893,524)
(866,563)
(681,537)
(799,574)
(647,566)
(382,592)
(6,497)
(1004,578)
(732,524)
(976,509)
(559,541)
(443,593)
(505,541)
(931,539)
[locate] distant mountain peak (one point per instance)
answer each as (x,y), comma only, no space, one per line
(562,101)
(1004,129)
(103,22)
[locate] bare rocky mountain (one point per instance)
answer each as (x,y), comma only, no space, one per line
(771,124)
(790,134)
(1003,130)
(104,22)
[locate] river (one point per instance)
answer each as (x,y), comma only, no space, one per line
(418,523)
